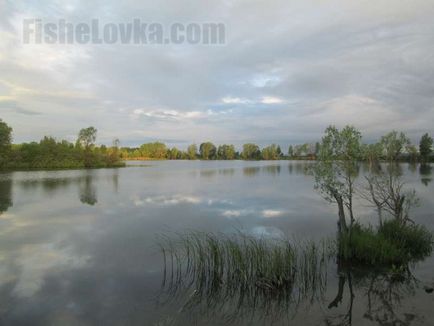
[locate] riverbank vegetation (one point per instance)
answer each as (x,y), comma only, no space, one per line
(249,270)
(50,153)
(394,145)
(397,239)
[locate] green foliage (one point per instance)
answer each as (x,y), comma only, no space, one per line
(414,241)
(393,143)
(156,150)
(244,261)
(174,154)
(372,152)
(208,151)
(52,154)
(290,151)
(251,152)
(226,152)
(337,168)
(271,152)
(87,137)
(192,152)
(425,146)
(5,142)
(393,243)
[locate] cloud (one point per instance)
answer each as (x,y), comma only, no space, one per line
(279,79)
(269,213)
(235,100)
(168,200)
(271,100)
(169,114)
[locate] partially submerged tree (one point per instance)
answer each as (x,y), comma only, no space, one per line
(372,153)
(386,191)
(337,168)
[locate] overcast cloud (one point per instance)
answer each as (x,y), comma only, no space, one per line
(288,69)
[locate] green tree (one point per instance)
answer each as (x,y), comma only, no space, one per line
(5,143)
(291,151)
(270,152)
(207,151)
(226,152)
(425,147)
(174,154)
(251,152)
(192,152)
(155,150)
(301,150)
(393,143)
(412,152)
(87,137)
(372,152)
(336,170)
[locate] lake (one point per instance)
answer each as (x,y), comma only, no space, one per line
(80,247)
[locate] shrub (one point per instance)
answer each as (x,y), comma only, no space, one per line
(414,241)
(392,244)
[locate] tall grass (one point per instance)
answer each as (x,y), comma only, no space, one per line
(253,272)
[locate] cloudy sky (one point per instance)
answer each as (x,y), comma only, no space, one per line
(288,69)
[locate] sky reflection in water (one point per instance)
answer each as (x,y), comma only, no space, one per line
(78,247)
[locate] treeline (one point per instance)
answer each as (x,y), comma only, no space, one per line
(392,146)
(49,153)
(206,151)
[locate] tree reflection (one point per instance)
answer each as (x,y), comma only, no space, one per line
(425,171)
(271,169)
(5,193)
(209,281)
(382,291)
(251,171)
(88,191)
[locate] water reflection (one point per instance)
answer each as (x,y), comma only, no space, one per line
(5,192)
(381,292)
(85,182)
(87,192)
(242,277)
(272,169)
(227,172)
(425,171)
(222,278)
(251,171)
(208,173)
(65,262)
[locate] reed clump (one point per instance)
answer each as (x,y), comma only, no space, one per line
(244,264)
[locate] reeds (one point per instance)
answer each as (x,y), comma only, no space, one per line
(249,271)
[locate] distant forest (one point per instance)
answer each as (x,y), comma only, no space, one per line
(394,146)
(50,153)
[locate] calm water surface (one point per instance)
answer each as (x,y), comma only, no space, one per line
(79,247)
